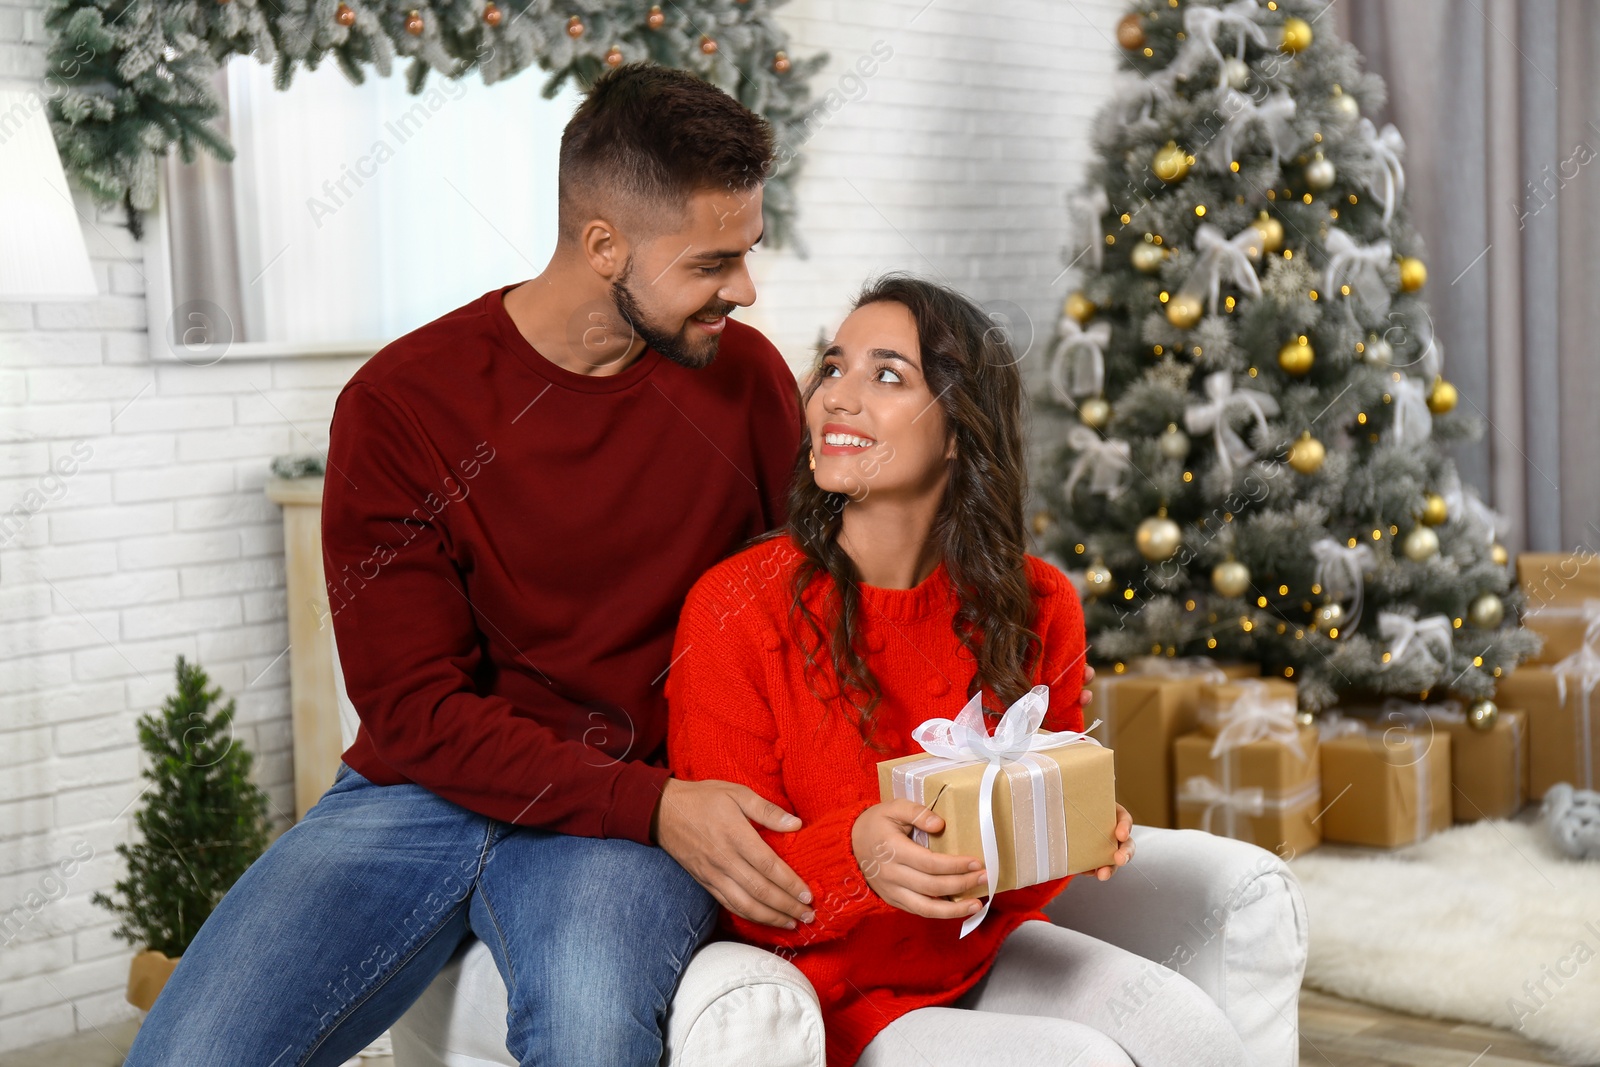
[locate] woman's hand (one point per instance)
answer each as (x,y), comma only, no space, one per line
(905,874)
(1124,835)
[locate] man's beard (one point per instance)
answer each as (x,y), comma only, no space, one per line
(672,345)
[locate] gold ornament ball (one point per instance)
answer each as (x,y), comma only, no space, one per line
(707,45)
(1236,72)
(1098,578)
(1305,718)
(1296,357)
(1319,174)
(1184,310)
(780,63)
(1170,163)
(1094,412)
(1442,397)
(1328,618)
(1231,578)
(1421,544)
(1499,555)
(1174,443)
(414,24)
(1306,454)
(613,56)
(1130,31)
(493,15)
(1413,274)
(655,20)
(1041,522)
(1271,232)
(1434,510)
(1296,35)
(1157,538)
(1147,257)
(1483,714)
(1079,308)
(575,27)
(345,16)
(1345,106)
(1486,612)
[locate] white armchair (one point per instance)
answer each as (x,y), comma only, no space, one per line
(1227,915)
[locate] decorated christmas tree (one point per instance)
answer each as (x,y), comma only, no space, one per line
(1257,413)
(203,821)
(131,78)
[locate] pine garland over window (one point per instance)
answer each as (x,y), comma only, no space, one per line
(130,78)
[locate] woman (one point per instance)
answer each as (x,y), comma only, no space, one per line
(898,588)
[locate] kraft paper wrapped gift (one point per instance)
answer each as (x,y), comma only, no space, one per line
(1488,768)
(1565,628)
(1250,772)
(1558,577)
(1035,805)
(1143,711)
(1563,731)
(1383,786)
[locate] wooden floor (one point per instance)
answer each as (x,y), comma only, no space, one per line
(1333,1033)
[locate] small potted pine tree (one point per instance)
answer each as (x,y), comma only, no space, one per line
(203,822)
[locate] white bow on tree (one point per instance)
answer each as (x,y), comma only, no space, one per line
(1462,502)
(1274,118)
(1077,361)
(1413,422)
(1430,638)
(1341,571)
(1106,462)
(1087,210)
(1360,267)
(1214,415)
(1219,255)
(1388,173)
(1201,25)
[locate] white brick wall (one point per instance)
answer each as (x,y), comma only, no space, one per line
(952,163)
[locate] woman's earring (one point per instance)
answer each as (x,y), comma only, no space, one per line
(813,460)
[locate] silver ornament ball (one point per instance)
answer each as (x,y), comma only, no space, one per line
(1319,174)
(1486,612)
(1231,578)
(1098,578)
(1174,443)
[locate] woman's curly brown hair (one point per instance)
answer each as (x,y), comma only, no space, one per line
(971,370)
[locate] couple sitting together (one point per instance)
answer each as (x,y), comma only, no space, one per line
(630,619)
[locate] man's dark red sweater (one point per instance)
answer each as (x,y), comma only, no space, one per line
(507,545)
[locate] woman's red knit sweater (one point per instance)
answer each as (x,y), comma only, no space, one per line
(740,710)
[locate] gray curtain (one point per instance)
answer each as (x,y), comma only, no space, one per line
(1497,103)
(202,228)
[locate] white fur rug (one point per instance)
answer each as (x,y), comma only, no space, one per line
(1483,923)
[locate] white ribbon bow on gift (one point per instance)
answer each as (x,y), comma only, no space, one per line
(1213,415)
(1431,638)
(1360,266)
(1219,254)
(1274,118)
(1200,27)
(1254,716)
(1106,462)
(1386,147)
(1341,570)
(965,739)
(1413,422)
(1078,361)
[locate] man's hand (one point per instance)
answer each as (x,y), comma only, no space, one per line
(905,874)
(705,826)
(1124,835)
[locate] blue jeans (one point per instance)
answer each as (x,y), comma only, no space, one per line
(342,923)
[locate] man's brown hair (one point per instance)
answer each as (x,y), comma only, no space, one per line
(648,136)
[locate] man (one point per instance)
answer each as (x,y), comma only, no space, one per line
(518,496)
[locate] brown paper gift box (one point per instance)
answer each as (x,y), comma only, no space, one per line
(1144,713)
(1558,577)
(1488,768)
(1563,734)
(1288,782)
(1081,813)
(1217,697)
(1370,786)
(1563,627)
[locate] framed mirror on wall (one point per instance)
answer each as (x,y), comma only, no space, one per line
(351,214)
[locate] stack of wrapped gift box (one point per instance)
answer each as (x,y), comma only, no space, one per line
(1384,784)
(1251,770)
(1556,688)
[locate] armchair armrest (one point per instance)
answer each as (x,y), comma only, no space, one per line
(1227,915)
